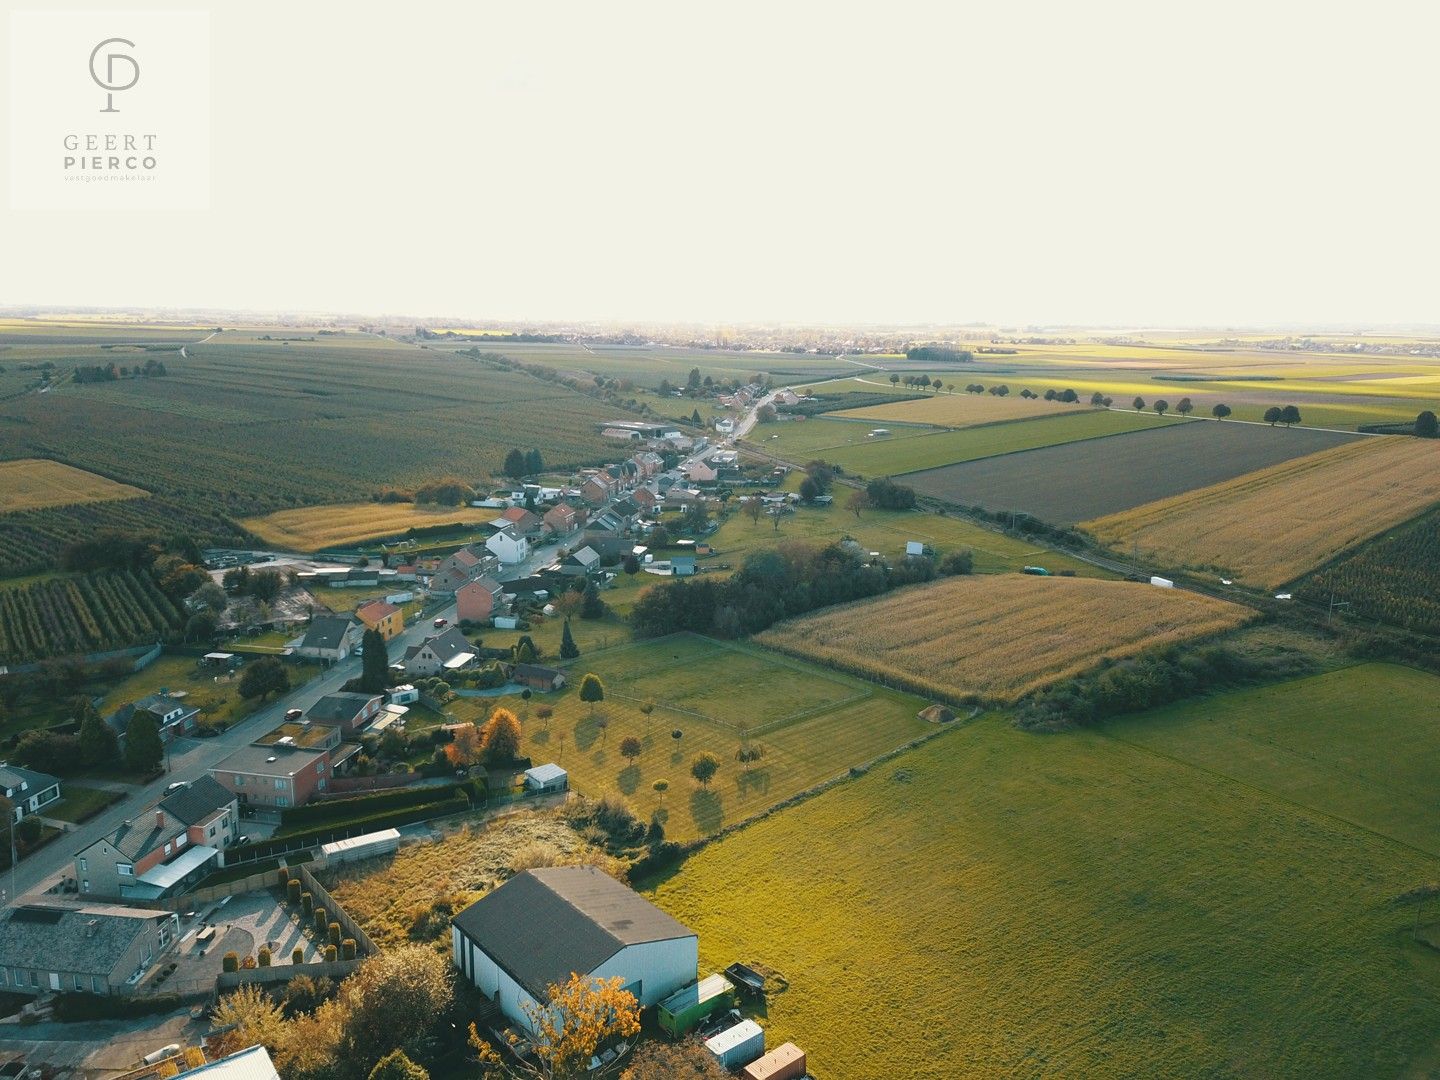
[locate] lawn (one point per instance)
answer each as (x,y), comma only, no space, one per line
(79,802)
(312,528)
(216,696)
(1071,483)
(34,483)
(1070,906)
(1325,743)
(1271,526)
(998,638)
(812,725)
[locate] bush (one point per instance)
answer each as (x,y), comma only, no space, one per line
(347,949)
(292,891)
(297,955)
(307,903)
(364,806)
(957,562)
(230,962)
(330,954)
(264,956)
(334,933)
(88,1008)
(322,919)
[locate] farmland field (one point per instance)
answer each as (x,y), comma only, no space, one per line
(1391,579)
(813,724)
(1271,526)
(1070,483)
(1000,637)
(82,614)
(34,483)
(315,527)
(959,410)
(1320,742)
(1071,906)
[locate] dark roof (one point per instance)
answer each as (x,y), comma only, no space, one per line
(445,646)
(327,631)
(88,940)
(144,834)
(13,776)
(340,707)
(197,801)
(541,925)
(538,671)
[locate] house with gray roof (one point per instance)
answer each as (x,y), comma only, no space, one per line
(542,925)
(176,717)
(52,945)
(329,637)
(28,791)
(439,653)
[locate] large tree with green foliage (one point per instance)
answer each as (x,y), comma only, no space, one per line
(375,674)
(568,649)
(264,677)
(515,464)
(98,742)
(396,1066)
(144,749)
(592,690)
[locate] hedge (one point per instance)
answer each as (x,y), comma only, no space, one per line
(87,1008)
(353,827)
(333,810)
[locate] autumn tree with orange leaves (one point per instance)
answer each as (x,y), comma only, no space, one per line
(465,748)
(500,737)
(580,1017)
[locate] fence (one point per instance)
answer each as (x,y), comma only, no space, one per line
(263,879)
(341,785)
(279,973)
(144,655)
(348,926)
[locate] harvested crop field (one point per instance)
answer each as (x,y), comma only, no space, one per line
(999,637)
(1077,482)
(311,528)
(1271,526)
(960,410)
(34,483)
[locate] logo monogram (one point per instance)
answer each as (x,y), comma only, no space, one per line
(110,82)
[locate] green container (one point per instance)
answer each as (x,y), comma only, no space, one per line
(683,1010)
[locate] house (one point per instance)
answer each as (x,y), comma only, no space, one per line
(620,433)
(467,564)
(724,425)
(698,472)
(52,945)
(404,694)
(543,924)
(252,1063)
(596,489)
(439,652)
(625,510)
(786,397)
(561,520)
(546,779)
(165,848)
(537,677)
(351,711)
(175,717)
(383,616)
(580,563)
(521,521)
(277,776)
(646,499)
(682,565)
(28,791)
(509,546)
(478,600)
(329,637)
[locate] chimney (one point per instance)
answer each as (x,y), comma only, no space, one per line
(90,927)
(159,819)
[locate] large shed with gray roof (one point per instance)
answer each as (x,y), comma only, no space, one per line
(95,948)
(542,925)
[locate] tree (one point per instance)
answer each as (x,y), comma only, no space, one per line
(1097,398)
(98,742)
(858,501)
(753,508)
(393,998)
(251,1017)
(568,649)
(591,606)
(630,748)
(692,382)
(630,564)
(1220,412)
(202,626)
(514,466)
(500,737)
(765,414)
(695,419)
(396,1066)
(464,747)
(578,1017)
(957,562)
(688,1060)
(264,677)
(809,490)
(697,517)
(534,463)
(1426,426)
(1289,415)
(1162,407)
(143,749)
(704,768)
(660,787)
(592,690)
(1272,415)
(1138,403)
(1185,406)
(375,675)
(894,379)
(210,597)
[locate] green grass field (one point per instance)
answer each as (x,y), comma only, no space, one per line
(1003,904)
(813,724)
(79,802)
(1361,744)
(217,698)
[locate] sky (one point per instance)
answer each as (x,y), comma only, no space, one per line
(1040,163)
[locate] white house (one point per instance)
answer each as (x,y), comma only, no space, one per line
(28,791)
(329,637)
(508,546)
(543,924)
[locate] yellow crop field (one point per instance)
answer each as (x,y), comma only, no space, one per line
(960,410)
(34,483)
(311,528)
(1001,636)
(1269,527)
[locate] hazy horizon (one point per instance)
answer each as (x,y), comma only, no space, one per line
(1112,166)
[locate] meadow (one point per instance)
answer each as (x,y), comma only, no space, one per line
(1070,906)
(958,410)
(1271,526)
(1319,742)
(1001,637)
(1066,484)
(34,483)
(313,528)
(811,724)
(1394,578)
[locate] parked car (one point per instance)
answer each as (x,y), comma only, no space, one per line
(441,622)
(294,714)
(179,785)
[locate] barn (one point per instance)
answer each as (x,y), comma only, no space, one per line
(543,924)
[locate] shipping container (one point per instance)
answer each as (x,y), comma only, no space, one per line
(739,1045)
(682,1010)
(785,1062)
